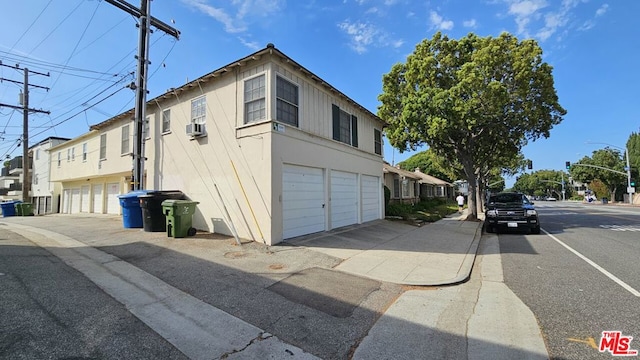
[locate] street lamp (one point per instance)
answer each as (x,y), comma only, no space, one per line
(630,190)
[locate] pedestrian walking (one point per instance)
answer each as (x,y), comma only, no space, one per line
(460,200)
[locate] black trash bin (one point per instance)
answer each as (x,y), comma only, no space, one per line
(605,201)
(153,218)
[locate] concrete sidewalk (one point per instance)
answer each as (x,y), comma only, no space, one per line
(258,292)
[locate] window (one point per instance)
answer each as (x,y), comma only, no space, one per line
(35,179)
(287,102)
(377,141)
(103,146)
(68,155)
(125,147)
(345,127)
(254,99)
(199,110)
(73,153)
(405,188)
(59,158)
(84,152)
(396,188)
(145,129)
(439,191)
(166,121)
(37,154)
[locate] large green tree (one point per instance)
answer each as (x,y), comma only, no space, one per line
(633,146)
(429,163)
(475,101)
(543,183)
(599,167)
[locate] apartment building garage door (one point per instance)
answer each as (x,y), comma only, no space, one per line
(97,199)
(66,201)
(371,192)
(113,204)
(84,198)
(344,199)
(75,201)
(303,201)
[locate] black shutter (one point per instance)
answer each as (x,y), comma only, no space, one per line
(336,122)
(354,131)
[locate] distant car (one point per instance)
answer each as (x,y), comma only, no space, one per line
(511,211)
(550,198)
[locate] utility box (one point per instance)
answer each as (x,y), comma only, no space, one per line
(179,214)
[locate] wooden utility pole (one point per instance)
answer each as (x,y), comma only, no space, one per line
(26,182)
(146,20)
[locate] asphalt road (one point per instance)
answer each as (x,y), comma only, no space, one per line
(50,311)
(580,276)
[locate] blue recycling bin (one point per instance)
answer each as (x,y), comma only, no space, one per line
(131,211)
(9,207)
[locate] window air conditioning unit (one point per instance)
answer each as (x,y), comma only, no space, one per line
(195,130)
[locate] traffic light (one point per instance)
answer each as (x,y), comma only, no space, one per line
(530,165)
(632,183)
(567,165)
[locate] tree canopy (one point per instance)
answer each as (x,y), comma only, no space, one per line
(543,183)
(600,160)
(430,163)
(475,101)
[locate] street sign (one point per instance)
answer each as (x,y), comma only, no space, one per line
(631,190)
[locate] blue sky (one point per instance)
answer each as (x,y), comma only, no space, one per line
(88,48)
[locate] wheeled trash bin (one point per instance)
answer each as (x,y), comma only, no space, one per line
(131,212)
(24,209)
(9,207)
(153,218)
(179,215)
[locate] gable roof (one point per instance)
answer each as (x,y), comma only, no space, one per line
(428,179)
(386,168)
(270,50)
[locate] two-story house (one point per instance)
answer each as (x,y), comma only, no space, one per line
(11,179)
(45,194)
(268,149)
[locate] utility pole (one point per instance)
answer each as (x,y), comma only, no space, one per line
(146,20)
(26,183)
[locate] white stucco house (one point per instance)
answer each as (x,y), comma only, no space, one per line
(268,149)
(45,194)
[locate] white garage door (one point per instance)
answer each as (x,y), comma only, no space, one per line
(371,190)
(75,201)
(97,199)
(66,201)
(303,205)
(84,194)
(113,203)
(344,199)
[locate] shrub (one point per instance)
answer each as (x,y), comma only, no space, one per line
(403,210)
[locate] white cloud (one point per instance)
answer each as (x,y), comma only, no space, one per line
(525,11)
(469,23)
(242,8)
(438,21)
(602,10)
(363,35)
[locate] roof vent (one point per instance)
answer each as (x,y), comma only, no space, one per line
(270,45)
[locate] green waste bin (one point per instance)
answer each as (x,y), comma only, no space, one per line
(179,215)
(24,209)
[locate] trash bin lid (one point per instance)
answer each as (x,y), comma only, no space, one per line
(133,194)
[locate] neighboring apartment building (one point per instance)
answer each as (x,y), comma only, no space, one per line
(11,180)
(45,194)
(270,152)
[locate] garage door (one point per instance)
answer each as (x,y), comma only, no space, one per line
(75,201)
(344,199)
(84,201)
(371,190)
(97,199)
(303,205)
(113,205)
(66,201)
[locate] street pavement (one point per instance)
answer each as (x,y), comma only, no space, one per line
(381,290)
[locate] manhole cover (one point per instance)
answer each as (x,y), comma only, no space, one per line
(235,255)
(276,266)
